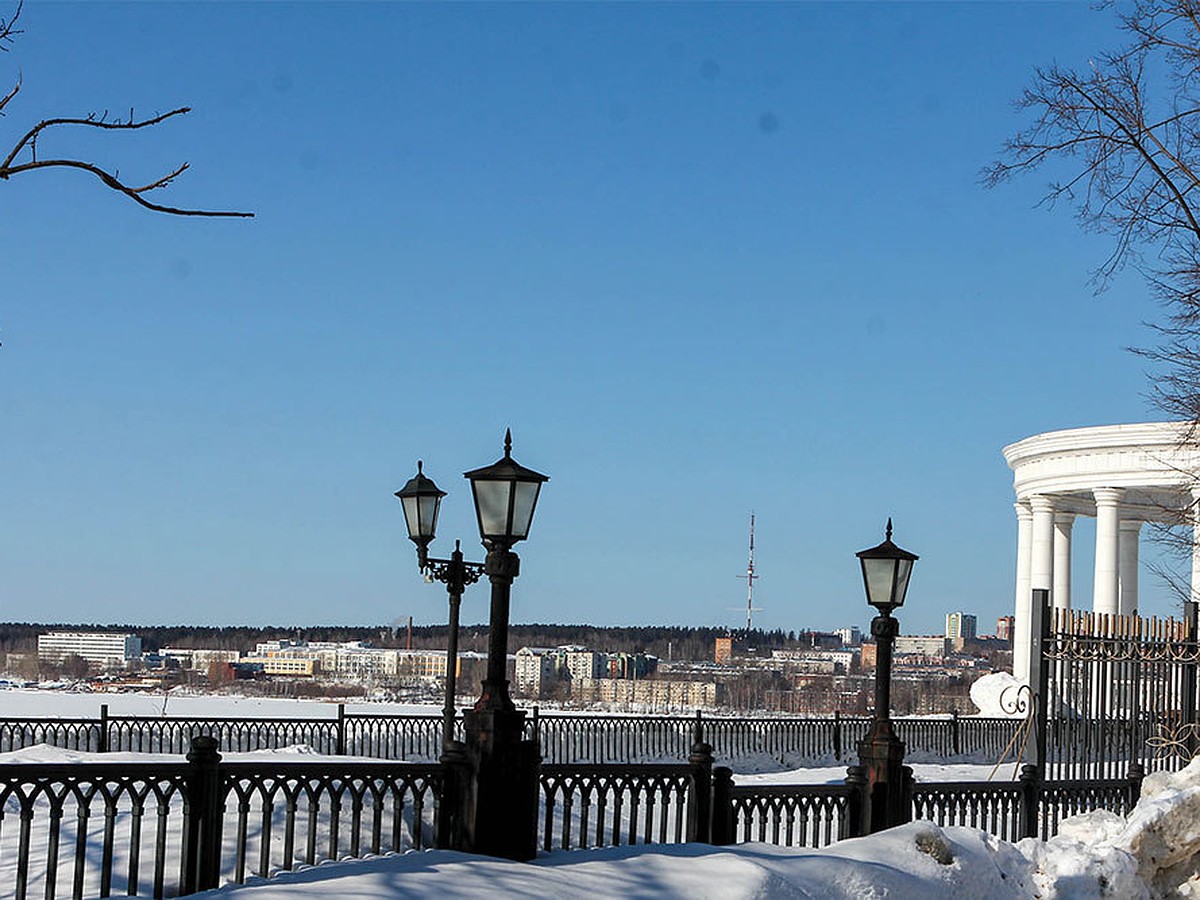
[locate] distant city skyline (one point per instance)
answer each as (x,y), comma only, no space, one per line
(703,259)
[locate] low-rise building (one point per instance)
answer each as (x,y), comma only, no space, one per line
(657,693)
(933,646)
(107,650)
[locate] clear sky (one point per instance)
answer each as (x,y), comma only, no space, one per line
(703,259)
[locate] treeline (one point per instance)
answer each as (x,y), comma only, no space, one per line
(664,641)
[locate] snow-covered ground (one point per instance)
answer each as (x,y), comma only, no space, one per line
(31,703)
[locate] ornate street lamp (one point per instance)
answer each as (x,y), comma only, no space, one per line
(421,500)
(505,496)
(886,571)
(497,814)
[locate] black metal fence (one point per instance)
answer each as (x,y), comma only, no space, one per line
(593,805)
(564,738)
(1118,690)
(168,828)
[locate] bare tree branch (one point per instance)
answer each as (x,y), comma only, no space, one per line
(8,27)
(23,157)
(1122,137)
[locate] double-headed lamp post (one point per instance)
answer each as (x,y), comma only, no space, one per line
(505,765)
(886,571)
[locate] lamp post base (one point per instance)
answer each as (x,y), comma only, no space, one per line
(889,781)
(507,788)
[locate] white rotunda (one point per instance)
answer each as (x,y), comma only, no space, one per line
(1121,475)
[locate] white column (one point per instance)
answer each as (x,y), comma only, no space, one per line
(1063,523)
(1128,568)
(1106,593)
(1021,634)
(1041,567)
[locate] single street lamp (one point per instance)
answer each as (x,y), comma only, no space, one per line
(886,571)
(506,494)
(421,500)
(497,814)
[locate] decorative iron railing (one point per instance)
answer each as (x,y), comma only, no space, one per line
(71,734)
(564,738)
(169,828)
(991,806)
(297,812)
(807,815)
(594,805)
(1118,690)
(1060,799)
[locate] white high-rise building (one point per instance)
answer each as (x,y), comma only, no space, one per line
(961,625)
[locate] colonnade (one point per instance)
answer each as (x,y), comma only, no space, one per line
(1123,476)
(1044,540)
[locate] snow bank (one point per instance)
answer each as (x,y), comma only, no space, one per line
(1153,853)
(914,861)
(987,690)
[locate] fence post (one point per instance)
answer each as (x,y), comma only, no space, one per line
(203,814)
(533,725)
(1030,789)
(1187,703)
(341,730)
(860,801)
(837,735)
(906,793)
(1136,774)
(1040,697)
(102,736)
(700,809)
(456,805)
(954,736)
(722,806)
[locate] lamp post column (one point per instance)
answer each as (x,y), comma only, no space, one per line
(454,587)
(881,753)
(507,767)
(501,567)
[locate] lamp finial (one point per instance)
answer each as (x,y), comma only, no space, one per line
(889,529)
(419,464)
(507,443)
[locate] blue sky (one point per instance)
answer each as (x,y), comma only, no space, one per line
(703,259)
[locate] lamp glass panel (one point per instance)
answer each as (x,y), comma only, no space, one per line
(412,516)
(429,513)
(523,503)
(903,570)
(491,502)
(878,574)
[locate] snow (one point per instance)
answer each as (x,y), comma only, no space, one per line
(23,703)
(987,691)
(918,860)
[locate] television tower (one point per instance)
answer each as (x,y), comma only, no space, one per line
(750,577)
